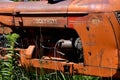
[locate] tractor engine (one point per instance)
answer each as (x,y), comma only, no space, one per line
(52,42)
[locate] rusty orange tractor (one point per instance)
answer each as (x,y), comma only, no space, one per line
(72,36)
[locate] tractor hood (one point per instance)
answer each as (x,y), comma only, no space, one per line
(91,6)
(64,6)
(35,7)
(11,13)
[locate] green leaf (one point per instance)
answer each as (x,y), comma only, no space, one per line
(62,76)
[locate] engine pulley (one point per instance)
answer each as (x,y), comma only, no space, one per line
(65,43)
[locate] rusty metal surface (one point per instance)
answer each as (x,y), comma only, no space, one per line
(41,21)
(73,6)
(94,6)
(39,8)
(36,7)
(93,20)
(99,40)
(7,7)
(42,7)
(74,68)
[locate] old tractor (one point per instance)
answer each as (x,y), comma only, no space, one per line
(72,36)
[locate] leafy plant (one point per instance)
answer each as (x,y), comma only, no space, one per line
(8,63)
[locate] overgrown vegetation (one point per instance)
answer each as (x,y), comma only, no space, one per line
(8,60)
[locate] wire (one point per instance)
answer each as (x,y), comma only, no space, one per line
(55,51)
(41,45)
